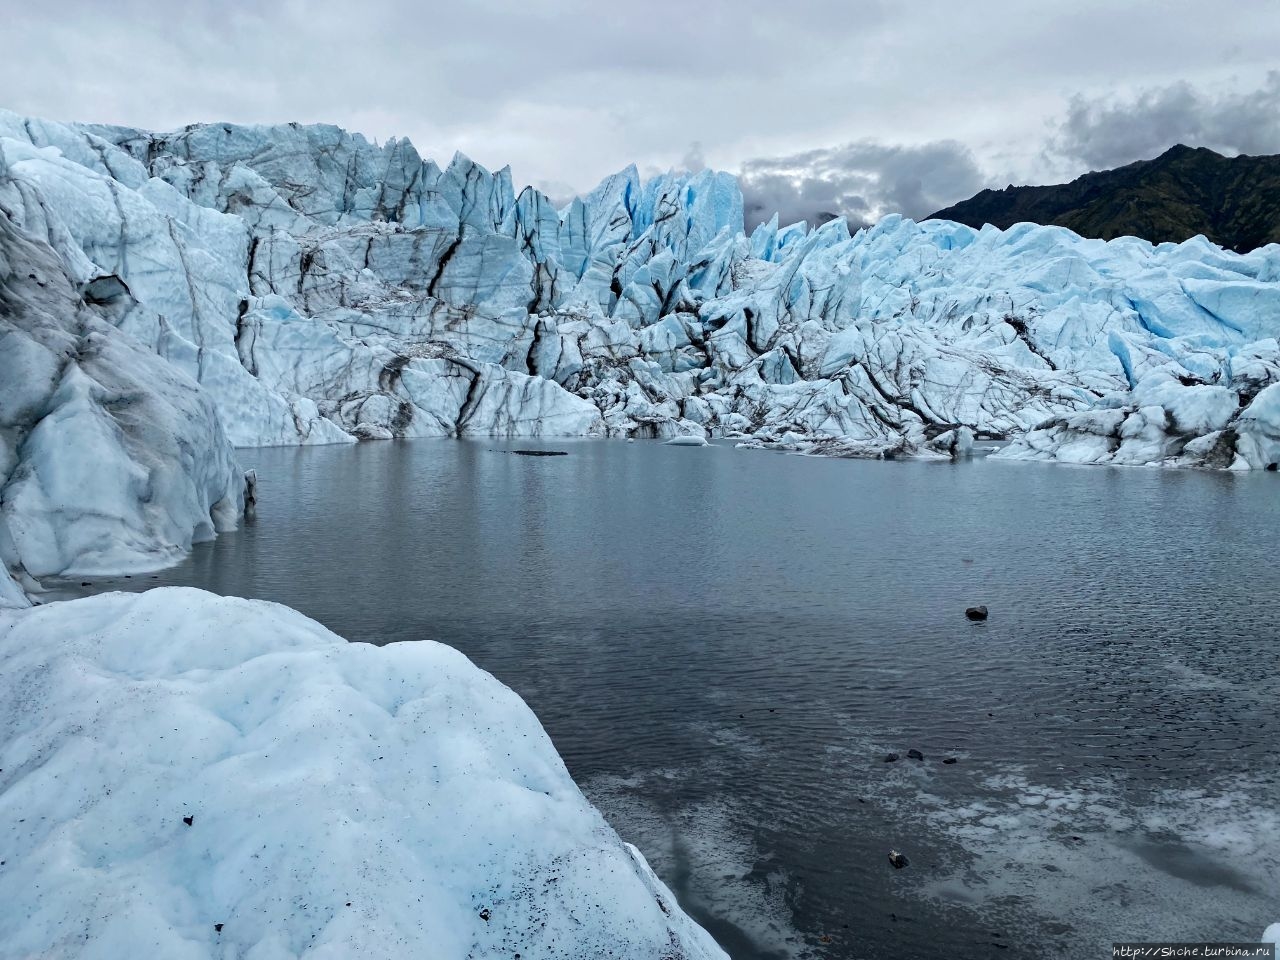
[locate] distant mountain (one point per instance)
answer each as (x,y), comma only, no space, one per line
(1234,201)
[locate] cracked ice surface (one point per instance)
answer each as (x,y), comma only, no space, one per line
(345,799)
(111,458)
(331,288)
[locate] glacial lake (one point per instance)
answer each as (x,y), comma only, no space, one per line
(725,645)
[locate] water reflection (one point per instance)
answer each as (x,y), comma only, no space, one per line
(724,645)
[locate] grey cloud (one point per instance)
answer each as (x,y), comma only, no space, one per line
(1104,132)
(572,90)
(557,191)
(694,160)
(861,181)
(561,89)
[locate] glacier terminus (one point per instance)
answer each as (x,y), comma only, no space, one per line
(319,288)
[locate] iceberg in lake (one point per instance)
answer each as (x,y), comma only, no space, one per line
(112,459)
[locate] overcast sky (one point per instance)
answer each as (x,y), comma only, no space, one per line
(857,107)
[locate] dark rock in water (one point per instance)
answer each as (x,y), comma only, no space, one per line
(188,820)
(1272,467)
(915,755)
(250,490)
(84,583)
(890,757)
(105,289)
(541,453)
(897,859)
(976,613)
(949,760)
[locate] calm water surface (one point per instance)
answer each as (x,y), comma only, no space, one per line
(724,645)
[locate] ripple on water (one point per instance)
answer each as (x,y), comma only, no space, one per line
(725,647)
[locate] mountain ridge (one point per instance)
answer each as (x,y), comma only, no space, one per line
(1184,192)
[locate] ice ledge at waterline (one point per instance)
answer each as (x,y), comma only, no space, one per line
(190,776)
(321,287)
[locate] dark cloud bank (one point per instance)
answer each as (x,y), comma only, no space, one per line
(860,181)
(1103,134)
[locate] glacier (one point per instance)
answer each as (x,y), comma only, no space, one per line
(320,288)
(190,776)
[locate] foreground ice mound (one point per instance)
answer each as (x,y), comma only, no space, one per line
(344,799)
